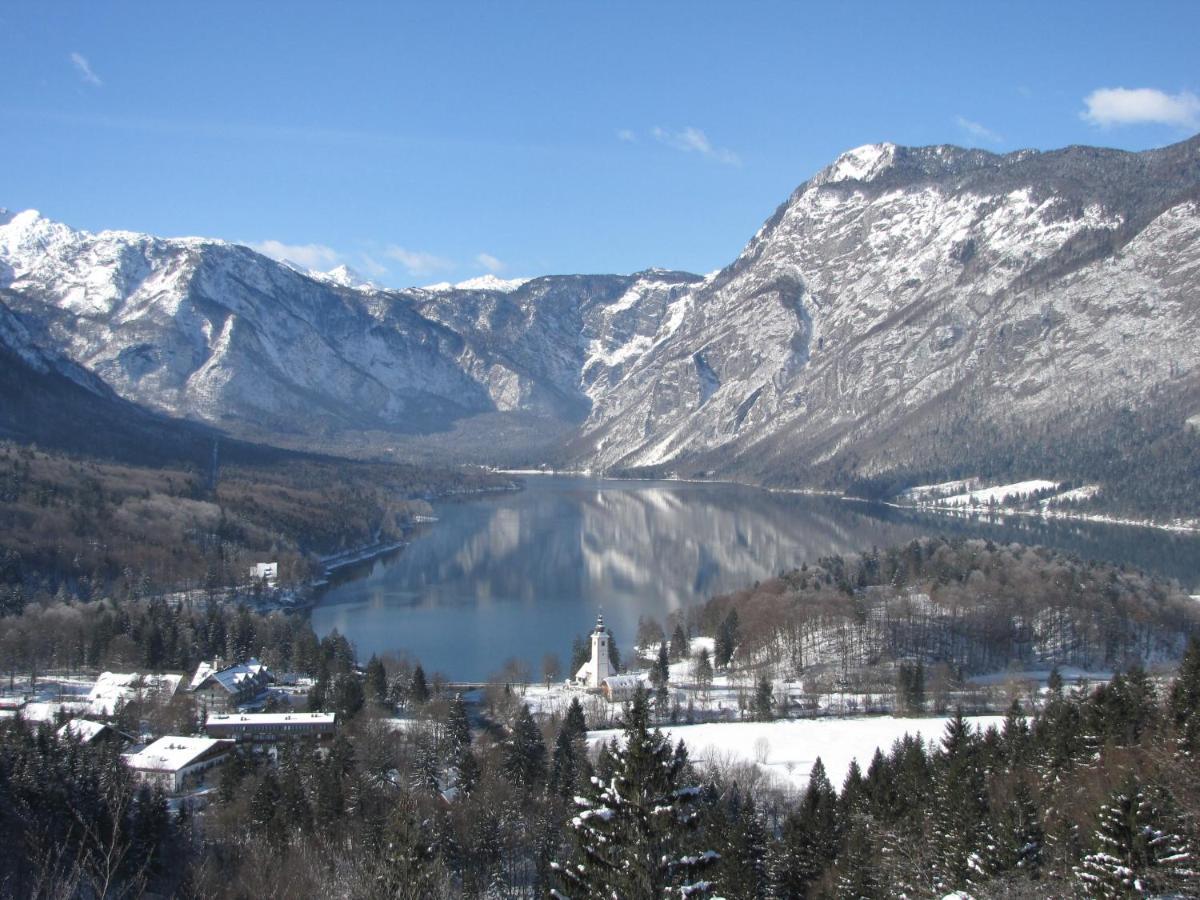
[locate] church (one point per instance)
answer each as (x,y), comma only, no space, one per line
(593,672)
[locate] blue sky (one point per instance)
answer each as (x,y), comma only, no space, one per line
(428,142)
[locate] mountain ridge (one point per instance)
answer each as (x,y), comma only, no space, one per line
(897,294)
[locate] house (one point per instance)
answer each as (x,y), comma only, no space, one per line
(271,727)
(225,688)
(88,732)
(593,672)
(113,689)
(621,688)
(176,763)
(267,573)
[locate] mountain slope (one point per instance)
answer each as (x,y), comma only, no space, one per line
(903,287)
(904,307)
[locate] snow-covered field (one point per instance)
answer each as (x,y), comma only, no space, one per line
(786,750)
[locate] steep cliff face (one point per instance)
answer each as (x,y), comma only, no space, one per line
(900,286)
(898,293)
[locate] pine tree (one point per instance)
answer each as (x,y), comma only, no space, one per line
(418,691)
(727,640)
(458,726)
(704,670)
(959,810)
(1184,700)
(632,832)
(525,751)
(741,873)
(679,644)
(858,875)
(376,680)
(763,708)
(1136,850)
(809,842)
(1018,836)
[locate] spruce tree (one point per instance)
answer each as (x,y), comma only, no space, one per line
(376,681)
(763,708)
(858,875)
(679,644)
(809,842)
(1136,850)
(525,751)
(458,725)
(1184,700)
(635,833)
(959,810)
(418,691)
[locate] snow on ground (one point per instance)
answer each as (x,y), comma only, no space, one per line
(999,494)
(786,750)
(1087,492)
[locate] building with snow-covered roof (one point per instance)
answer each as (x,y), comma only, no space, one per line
(270,727)
(228,687)
(175,763)
(267,573)
(620,688)
(593,672)
(86,731)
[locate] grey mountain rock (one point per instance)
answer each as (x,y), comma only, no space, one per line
(897,290)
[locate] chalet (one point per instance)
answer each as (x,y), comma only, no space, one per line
(271,727)
(86,732)
(226,688)
(177,763)
(621,688)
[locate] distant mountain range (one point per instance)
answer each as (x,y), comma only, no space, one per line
(898,302)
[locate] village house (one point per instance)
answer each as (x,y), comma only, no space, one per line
(266,573)
(621,688)
(90,733)
(271,727)
(225,688)
(177,763)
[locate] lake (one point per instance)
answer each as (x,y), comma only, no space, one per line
(519,574)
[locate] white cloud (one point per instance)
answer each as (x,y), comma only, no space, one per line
(373,267)
(977,131)
(310,256)
(1141,106)
(491,263)
(693,140)
(85,69)
(626,135)
(418,262)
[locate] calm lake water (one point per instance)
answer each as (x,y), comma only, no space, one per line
(520,574)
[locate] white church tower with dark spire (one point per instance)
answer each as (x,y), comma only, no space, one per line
(593,672)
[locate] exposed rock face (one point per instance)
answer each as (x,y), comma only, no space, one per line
(896,289)
(900,285)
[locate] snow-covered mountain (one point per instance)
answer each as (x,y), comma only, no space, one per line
(897,290)
(902,287)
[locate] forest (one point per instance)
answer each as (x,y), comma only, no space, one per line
(83,527)
(969,604)
(1146,459)
(1093,794)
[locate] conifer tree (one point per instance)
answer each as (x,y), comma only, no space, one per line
(741,841)
(763,708)
(525,751)
(376,680)
(959,810)
(809,842)
(458,725)
(704,670)
(858,875)
(418,690)
(1136,850)
(635,833)
(1184,700)
(679,644)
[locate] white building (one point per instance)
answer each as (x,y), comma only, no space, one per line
(271,726)
(175,763)
(267,572)
(593,672)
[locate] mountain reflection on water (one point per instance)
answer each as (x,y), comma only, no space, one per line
(520,574)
